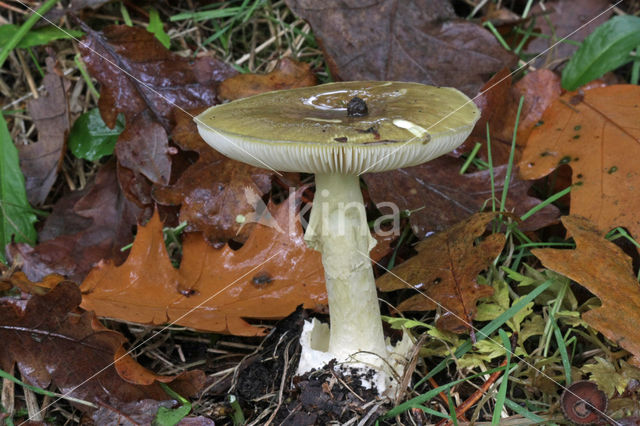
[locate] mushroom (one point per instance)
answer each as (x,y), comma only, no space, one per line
(338,131)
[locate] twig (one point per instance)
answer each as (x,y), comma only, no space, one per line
(469,402)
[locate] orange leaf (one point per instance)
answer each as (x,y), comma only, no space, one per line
(597,134)
(288,74)
(214,289)
(445,271)
(610,278)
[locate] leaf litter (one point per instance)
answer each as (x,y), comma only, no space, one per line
(160,161)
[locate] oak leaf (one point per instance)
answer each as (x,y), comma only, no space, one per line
(215,191)
(439,196)
(596,133)
(85,227)
(610,278)
(40,161)
(146,82)
(50,343)
(214,289)
(444,272)
(288,74)
(409,40)
(498,100)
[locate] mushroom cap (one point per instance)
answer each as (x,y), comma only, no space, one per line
(308,129)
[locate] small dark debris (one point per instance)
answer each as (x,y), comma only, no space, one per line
(261,279)
(340,139)
(576,99)
(612,170)
(357,107)
(565,160)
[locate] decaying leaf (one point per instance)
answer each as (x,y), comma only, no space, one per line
(499,105)
(610,278)
(596,133)
(50,112)
(444,272)
(558,19)
(214,289)
(440,196)
(215,191)
(84,228)
(154,82)
(412,40)
(289,74)
(51,344)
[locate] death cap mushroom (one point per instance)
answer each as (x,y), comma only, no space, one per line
(309,129)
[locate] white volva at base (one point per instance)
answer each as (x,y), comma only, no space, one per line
(388,372)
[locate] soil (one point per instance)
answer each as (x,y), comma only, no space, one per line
(320,397)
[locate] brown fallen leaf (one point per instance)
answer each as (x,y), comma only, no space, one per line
(596,133)
(558,19)
(445,271)
(215,190)
(84,228)
(215,289)
(611,278)
(155,81)
(416,40)
(50,343)
(288,74)
(440,196)
(499,101)
(40,161)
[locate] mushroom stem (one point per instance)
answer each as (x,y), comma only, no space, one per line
(338,229)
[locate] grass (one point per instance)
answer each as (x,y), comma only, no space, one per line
(252,35)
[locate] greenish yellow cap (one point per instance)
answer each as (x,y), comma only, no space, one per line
(312,129)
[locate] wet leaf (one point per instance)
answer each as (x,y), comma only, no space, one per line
(156,81)
(214,289)
(415,40)
(289,74)
(596,133)
(445,271)
(91,139)
(605,49)
(50,343)
(216,194)
(499,105)
(40,161)
(84,228)
(16,215)
(557,19)
(440,196)
(611,279)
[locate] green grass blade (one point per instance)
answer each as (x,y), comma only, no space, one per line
(502,392)
(545,203)
(507,178)
(16,216)
(524,412)
(562,348)
(24,29)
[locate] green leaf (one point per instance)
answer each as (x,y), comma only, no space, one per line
(16,215)
(156,28)
(168,416)
(36,37)
(91,139)
(605,49)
